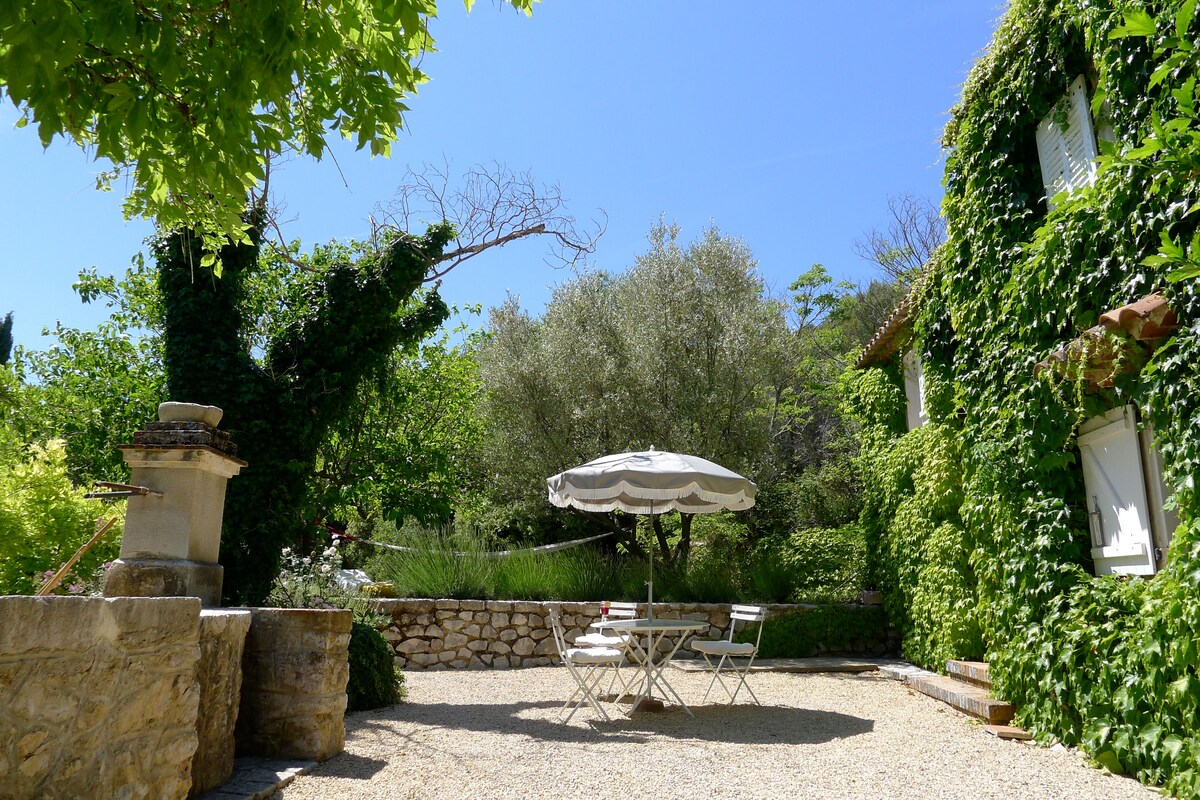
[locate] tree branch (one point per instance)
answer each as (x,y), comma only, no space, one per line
(490,206)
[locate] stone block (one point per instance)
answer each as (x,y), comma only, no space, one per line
(508,635)
(499,620)
(294,683)
(520,619)
(455,640)
(474,631)
(219,675)
(499,648)
(165,577)
(523,647)
(87,683)
(434,632)
(409,646)
(472,605)
(500,662)
(423,659)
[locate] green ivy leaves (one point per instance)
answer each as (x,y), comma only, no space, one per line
(979,521)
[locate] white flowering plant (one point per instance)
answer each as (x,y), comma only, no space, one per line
(312,582)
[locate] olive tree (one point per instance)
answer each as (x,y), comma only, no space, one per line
(683,351)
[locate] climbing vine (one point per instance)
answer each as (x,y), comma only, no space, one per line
(977,520)
(279,407)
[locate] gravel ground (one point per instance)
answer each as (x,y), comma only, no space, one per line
(832,736)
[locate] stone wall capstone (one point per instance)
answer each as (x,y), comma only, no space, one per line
(98,697)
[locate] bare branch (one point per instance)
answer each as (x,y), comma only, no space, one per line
(278,244)
(915,230)
(489,207)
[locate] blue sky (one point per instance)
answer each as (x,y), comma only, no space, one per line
(786,124)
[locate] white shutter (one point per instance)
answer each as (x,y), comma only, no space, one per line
(1163,521)
(914,390)
(1068,155)
(1052,155)
(1118,512)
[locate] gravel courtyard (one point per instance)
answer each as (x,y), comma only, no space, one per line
(495,734)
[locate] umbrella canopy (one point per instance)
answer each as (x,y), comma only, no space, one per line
(651,482)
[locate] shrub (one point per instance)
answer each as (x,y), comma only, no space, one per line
(375,680)
(797,634)
(825,564)
(44,519)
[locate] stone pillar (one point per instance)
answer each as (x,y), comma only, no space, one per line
(172,537)
(219,676)
(294,675)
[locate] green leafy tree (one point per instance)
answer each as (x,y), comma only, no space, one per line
(44,519)
(278,411)
(684,351)
(401,452)
(6,338)
(95,388)
(191,98)
(285,389)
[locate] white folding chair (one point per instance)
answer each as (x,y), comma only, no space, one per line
(728,650)
(624,642)
(585,664)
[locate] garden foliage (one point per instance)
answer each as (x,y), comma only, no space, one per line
(44,519)
(976,521)
(310,582)
(801,634)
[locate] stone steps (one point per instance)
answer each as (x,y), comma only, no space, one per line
(968,698)
(973,672)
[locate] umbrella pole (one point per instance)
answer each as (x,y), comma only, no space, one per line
(650,599)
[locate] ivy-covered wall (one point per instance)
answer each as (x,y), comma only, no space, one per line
(977,521)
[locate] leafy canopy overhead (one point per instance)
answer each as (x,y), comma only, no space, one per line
(192,96)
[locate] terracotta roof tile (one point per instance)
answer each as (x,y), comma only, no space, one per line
(888,338)
(1146,320)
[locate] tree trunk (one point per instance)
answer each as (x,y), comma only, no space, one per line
(664,548)
(278,413)
(684,548)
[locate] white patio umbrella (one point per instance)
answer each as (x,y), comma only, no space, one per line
(651,482)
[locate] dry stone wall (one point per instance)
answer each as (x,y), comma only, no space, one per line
(503,634)
(98,697)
